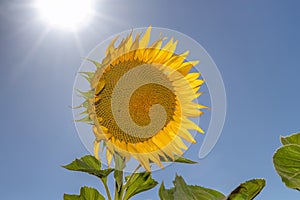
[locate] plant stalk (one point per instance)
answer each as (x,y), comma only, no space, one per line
(104,181)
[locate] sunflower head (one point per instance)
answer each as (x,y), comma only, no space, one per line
(141,100)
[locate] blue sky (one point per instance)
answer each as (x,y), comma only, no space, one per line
(254,43)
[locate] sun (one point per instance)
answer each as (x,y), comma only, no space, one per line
(65,14)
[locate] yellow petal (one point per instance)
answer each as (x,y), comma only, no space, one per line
(196,83)
(155,158)
(185,134)
(192,76)
(100,86)
(96,149)
(145,39)
(131,148)
(170,46)
(174,149)
(193,105)
(191,125)
(157,44)
(135,44)
(145,162)
(187,66)
(128,43)
(109,157)
(111,47)
(191,112)
(99,134)
(179,143)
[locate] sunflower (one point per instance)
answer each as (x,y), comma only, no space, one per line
(141,100)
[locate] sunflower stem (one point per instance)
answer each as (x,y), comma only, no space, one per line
(119,175)
(119,195)
(104,181)
(119,188)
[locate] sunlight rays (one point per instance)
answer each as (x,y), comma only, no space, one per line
(66,14)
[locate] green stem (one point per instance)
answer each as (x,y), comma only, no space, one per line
(118,175)
(119,195)
(104,181)
(119,188)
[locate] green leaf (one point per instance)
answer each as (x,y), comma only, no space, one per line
(190,192)
(248,190)
(71,197)
(287,164)
(166,194)
(291,139)
(194,192)
(90,194)
(88,164)
(206,193)
(184,160)
(139,182)
(86,193)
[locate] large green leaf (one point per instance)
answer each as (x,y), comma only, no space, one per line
(166,194)
(287,164)
(248,190)
(86,193)
(206,193)
(291,139)
(194,192)
(88,164)
(189,192)
(139,182)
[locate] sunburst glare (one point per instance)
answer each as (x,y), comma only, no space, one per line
(65,14)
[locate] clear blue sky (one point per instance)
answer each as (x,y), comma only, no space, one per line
(254,43)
